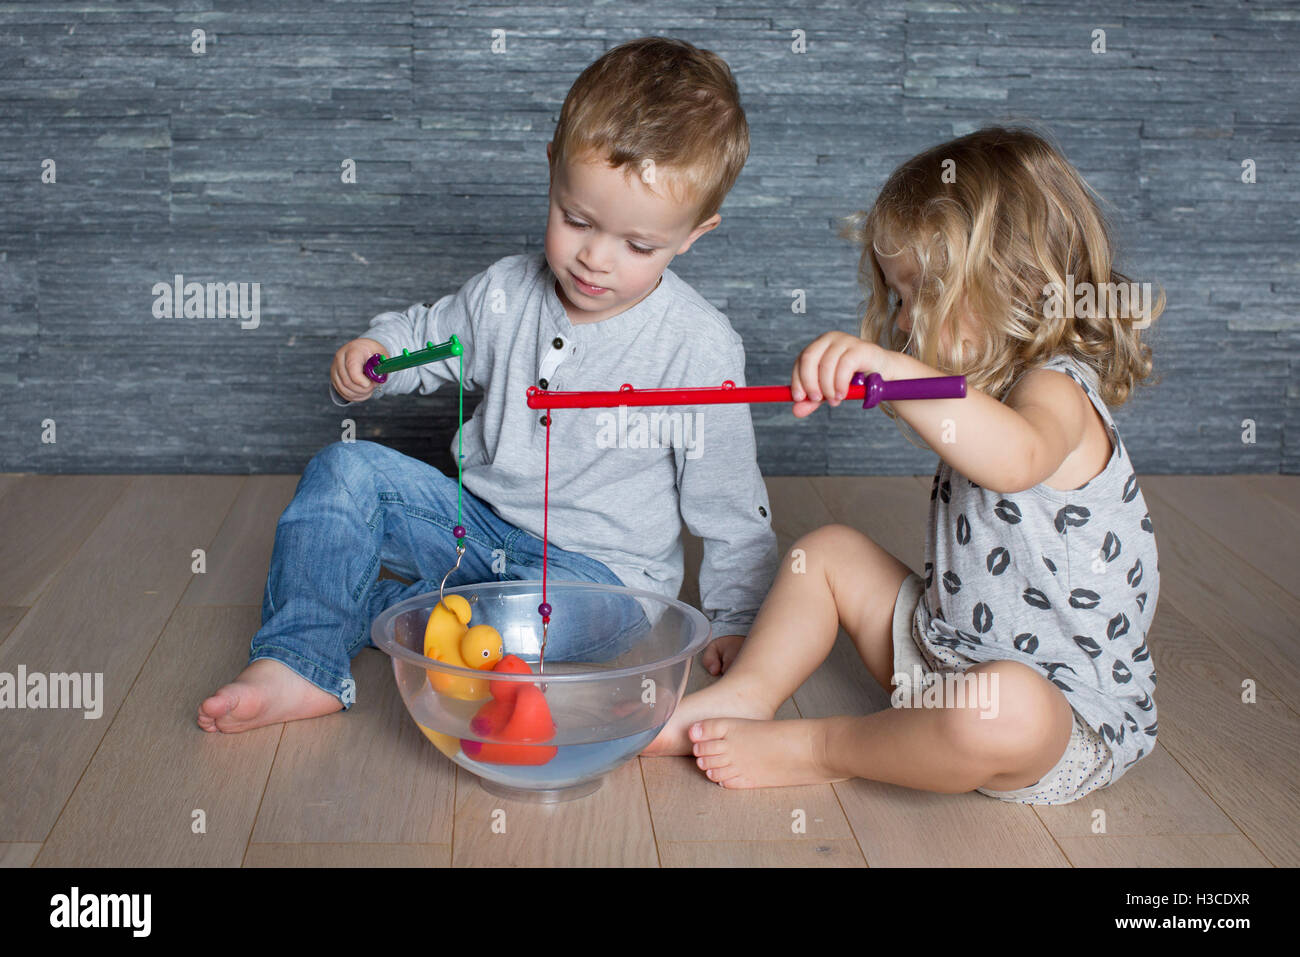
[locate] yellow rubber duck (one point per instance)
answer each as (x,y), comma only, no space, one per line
(448,639)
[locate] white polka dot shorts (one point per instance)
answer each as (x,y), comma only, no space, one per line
(1085,766)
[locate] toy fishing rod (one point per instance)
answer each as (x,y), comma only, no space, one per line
(871,388)
(377,367)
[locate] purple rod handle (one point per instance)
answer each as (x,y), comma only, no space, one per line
(369,369)
(880,390)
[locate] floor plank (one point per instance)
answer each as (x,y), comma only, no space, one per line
(364,776)
(496,832)
(1246,757)
(896,827)
(1256,530)
(135,805)
(46,518)
(348,855)
(1164,850)
(102,612)
(1251,619)
(18,855)
(1281,488)
(843,852)
(240,556)
(1156,797)
(10,615)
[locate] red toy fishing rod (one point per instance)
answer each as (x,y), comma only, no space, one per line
(872,389)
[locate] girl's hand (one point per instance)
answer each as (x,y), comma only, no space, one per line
(348,374)
(823,370)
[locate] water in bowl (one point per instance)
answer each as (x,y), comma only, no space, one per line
(612,711)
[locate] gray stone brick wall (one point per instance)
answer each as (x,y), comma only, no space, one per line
(225,167)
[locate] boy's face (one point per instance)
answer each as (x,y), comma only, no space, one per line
(608,228)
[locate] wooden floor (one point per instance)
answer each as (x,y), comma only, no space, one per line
(95,576)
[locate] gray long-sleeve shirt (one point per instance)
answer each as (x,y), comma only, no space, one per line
(622,480)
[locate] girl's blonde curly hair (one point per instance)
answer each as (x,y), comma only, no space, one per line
(1001,226)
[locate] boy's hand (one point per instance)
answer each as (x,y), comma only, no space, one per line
(823,370)
(348,375)
(721,652)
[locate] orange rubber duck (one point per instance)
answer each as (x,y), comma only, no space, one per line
(517,716)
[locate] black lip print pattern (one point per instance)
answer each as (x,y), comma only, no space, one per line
(1052,667)
(1145,702)
(1092,649)
(1135,574)
(945,490)
(963,530)
(1026,643)
(998,561)
(1119,671)
(1130,488)
(1008,511)
(1033,596)
(1141,601)
(1151,728)
(1146,524)
(1084,598)
(982,618)
(1142,653)
(1129,764)
(1111,547)
(1051,567)
(1117,626)
(1131,722)
(929,574)
(1071,516)
(951,582)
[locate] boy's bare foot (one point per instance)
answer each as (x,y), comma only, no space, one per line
(266,692)
(741,753)
(723,697)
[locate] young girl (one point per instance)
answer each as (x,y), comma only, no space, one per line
(986,257)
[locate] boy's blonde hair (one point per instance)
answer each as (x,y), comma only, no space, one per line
(665,101)
(994,219)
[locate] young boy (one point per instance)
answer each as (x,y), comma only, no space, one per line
(649,141)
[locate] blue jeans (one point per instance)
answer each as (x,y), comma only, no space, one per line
(361,504)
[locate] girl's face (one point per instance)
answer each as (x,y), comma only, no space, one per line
(902,276)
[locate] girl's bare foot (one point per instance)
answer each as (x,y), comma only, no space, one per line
(740,753)
(266,692)
(725,696)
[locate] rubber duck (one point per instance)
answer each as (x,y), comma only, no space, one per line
(518,717)
(448,639)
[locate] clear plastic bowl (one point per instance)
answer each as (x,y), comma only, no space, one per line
(616,665)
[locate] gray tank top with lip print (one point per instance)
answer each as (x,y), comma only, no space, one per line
(1065,582)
